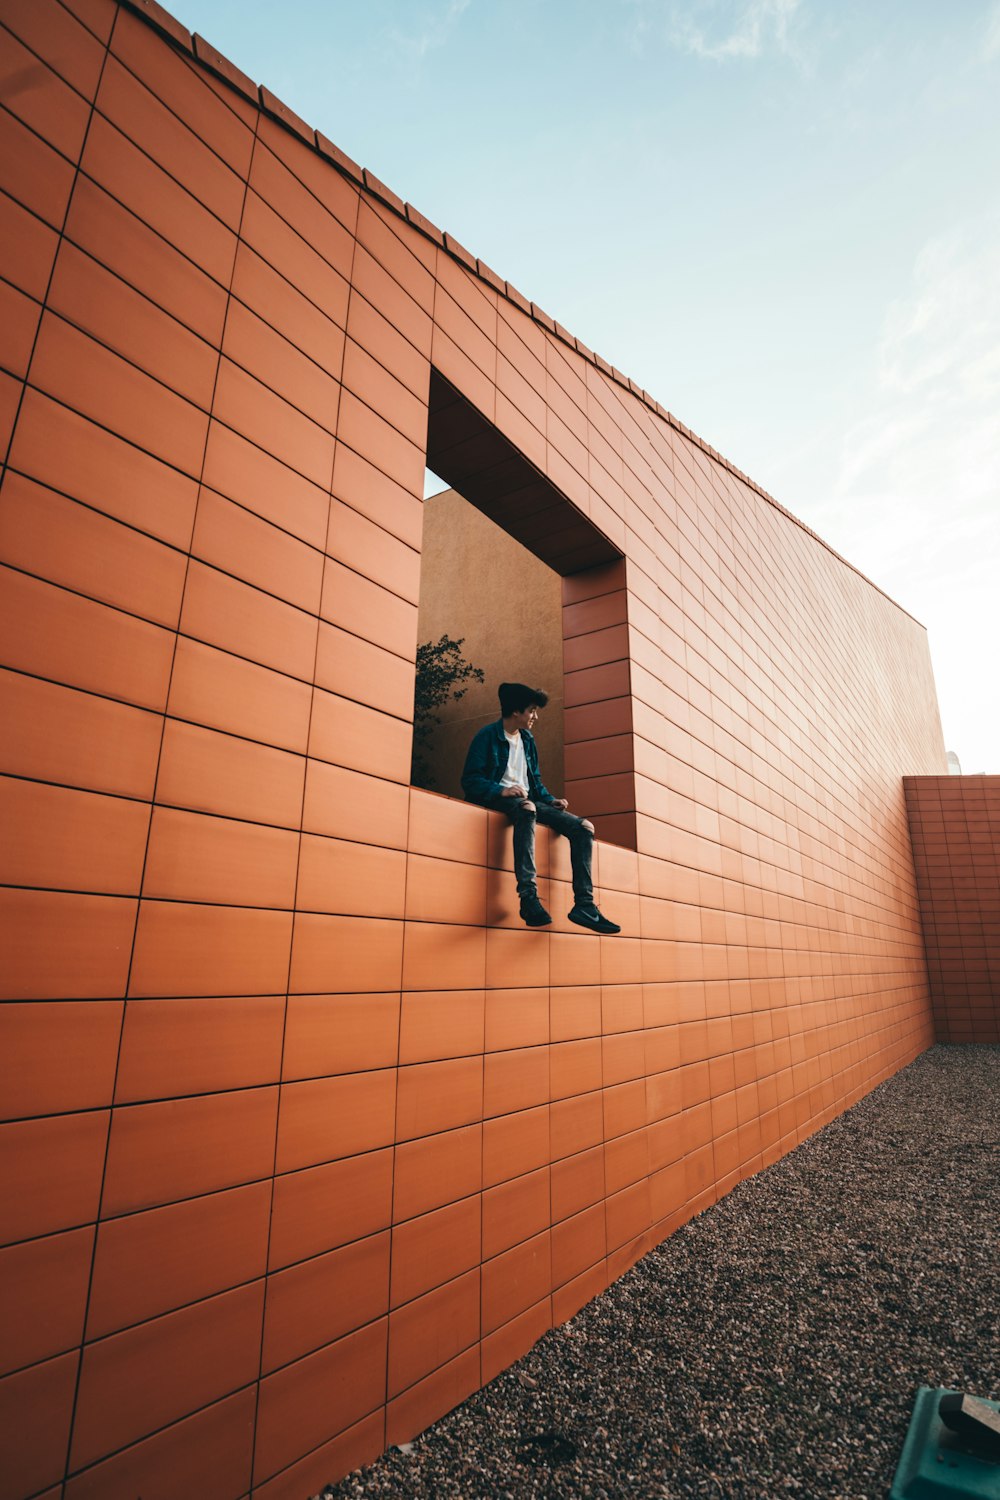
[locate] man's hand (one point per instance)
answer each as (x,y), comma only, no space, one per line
(514,791)
(560,802)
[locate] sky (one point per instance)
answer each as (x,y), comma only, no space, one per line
(780,217)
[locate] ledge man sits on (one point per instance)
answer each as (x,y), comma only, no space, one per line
(501,771)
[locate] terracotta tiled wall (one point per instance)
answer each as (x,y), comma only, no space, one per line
(955,827)
(305,1136)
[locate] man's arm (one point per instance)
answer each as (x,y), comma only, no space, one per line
(536,786)
(477,781)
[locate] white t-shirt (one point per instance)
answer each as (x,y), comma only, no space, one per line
(516,773)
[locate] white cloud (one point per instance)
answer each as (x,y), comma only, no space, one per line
(432,27)
(916,503)
(721,29)
(991,36)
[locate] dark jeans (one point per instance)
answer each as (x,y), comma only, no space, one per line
(581,845)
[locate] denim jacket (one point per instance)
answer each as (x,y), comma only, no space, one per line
(486,763)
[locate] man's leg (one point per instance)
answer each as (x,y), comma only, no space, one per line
(581,852)
(581,849)
(521,813)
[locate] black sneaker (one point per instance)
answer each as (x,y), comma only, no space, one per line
(533,912)
(590,917)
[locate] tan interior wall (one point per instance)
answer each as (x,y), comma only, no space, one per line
(477,582)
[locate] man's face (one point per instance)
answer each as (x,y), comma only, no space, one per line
(525,719)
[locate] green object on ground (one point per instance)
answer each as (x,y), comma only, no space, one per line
(937,1464)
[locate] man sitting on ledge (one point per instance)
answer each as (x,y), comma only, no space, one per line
(501,771)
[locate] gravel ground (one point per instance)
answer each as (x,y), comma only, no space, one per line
(774,1345)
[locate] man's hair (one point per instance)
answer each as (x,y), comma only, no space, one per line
(515,698)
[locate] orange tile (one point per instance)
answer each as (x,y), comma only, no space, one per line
(354,668)
(236,467)
(516,1018)
(33,173)
(358,737)
(187,1251)
(36,1408)
(358,953)
(569,1299)
(371,437)
(75,946)
(233,616)
(576,1010)
(210,1450)
(437,1096)
(51,633)
(381,290)
(43,1295)
(324,1298)
(197,858)
(182,1046)
(515,1080)
(123,100)
(59,1057)
(440,1024)
(413,1411)
(438,956)
(213,688)
(509,1343)
(571,961)
(324,1119)
(136,254)
(626,1160)
(354,603)
(352,1449)
(275,178)
(349,805)
(382,392)
(324,1207)
(50,1173)
(289,254)
(257,413)
(577,1124)
(136,1381)
(439,890)
(159,1153)
(435,1170)
(183,949)
(326,1034)
(29,247)
(366,547)
(515,1211)
(55,538)
(432,1330)
(107,308)
(515,1144)
(53,733)
(379,338)
(444,828)
(516,957)
(84,375)
(350,879)
(575,1067)
(627,1214)
(307,1402)
(435,1248)
(516,1280)
(625,1108)
(578,1244)
(273,359)
(207,771)
(239,542)
(577,1183)
(259,287)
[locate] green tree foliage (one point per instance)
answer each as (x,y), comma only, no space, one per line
(440,668)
